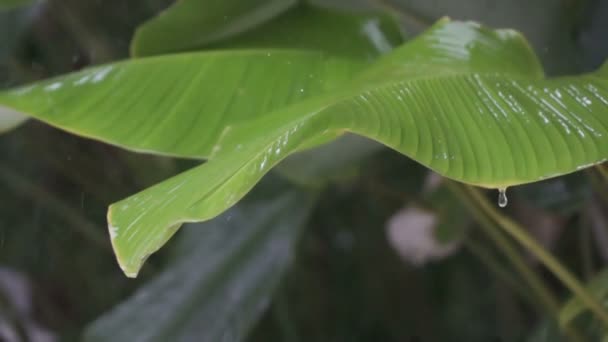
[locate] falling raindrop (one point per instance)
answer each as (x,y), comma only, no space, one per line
(502,198)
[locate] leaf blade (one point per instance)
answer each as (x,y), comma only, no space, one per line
(114,90)
(493,124)
(239,259)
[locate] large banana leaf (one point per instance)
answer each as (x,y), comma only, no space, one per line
(222,280)
(372,34)
(179,104)
(465,101)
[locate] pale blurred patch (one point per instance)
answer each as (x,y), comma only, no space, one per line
(10,119)
(411,231)
(16,312)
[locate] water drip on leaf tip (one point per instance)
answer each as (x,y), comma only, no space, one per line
(502,198)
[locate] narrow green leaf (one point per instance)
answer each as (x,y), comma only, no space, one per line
(193,23)
(223,279)
(465,101)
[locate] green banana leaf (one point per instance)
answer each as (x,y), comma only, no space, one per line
(155,104)
(302,26)
(238,261)
(468,102)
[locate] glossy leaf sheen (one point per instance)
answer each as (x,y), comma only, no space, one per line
(467,102)
(168,104)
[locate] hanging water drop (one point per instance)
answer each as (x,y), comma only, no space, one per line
(502,198)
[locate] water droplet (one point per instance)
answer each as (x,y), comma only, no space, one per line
(502,198)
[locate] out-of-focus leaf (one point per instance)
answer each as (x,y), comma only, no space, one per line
(8,4)
(222,279)
(192,23)
(467,102)
(348,34)
(597,287)
(351,34)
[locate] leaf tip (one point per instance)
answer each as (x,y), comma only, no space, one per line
(133,240)
(128,268)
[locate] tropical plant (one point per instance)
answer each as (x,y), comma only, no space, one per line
(246,86)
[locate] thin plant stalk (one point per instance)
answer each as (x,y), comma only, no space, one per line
(545,296)
(526,240)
